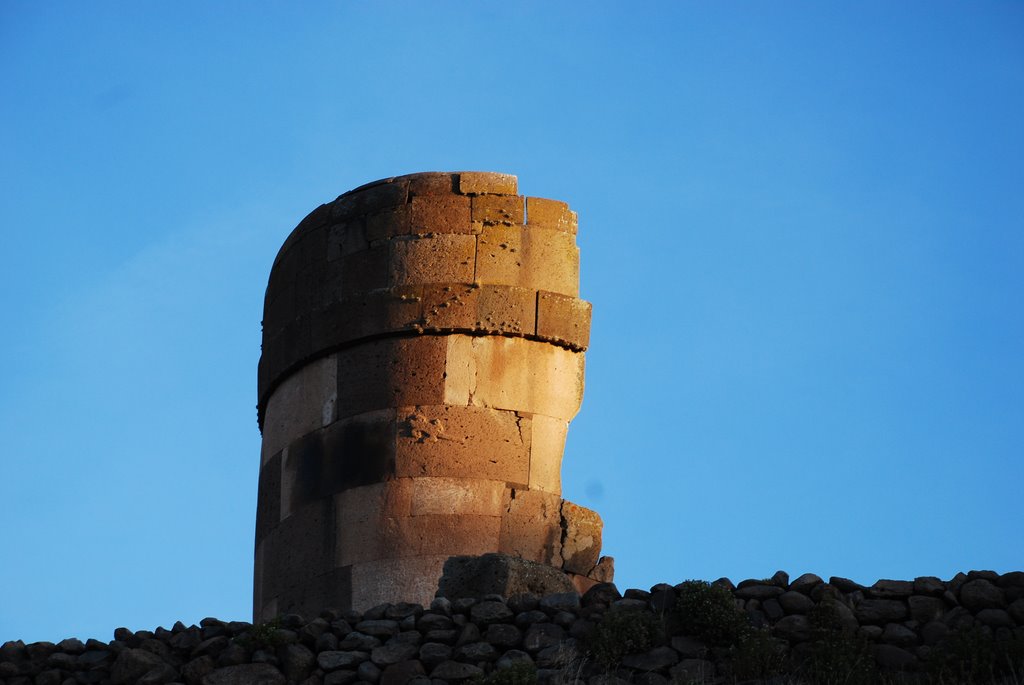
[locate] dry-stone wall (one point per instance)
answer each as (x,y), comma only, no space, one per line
(904,626)
(423,354)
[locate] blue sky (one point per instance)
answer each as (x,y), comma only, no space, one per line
(801,224)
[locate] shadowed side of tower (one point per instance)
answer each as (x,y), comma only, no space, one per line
(423,354)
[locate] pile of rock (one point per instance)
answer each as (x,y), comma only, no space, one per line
(454,640)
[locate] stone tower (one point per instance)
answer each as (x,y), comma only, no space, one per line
(422,357)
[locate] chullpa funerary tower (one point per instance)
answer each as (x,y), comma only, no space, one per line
(423,347)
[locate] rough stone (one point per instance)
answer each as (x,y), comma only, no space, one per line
(499,574)
(654,660)
(981,594)
(880,611)
(245,674)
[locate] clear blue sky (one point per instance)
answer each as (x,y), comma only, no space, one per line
(802,229)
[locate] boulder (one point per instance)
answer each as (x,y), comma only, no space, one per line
(499,574)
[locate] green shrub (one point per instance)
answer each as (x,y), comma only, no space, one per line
(758,655)
(621,632)
(837,656)
(973,656)
(709,613)
(265,634)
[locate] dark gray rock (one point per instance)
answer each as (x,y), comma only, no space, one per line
(995,618)
(512,657)
(805,583)
(213,647)
(894,658)
(297,661)
(394,652)
(795,602)
(503,635)
(71,645)
(330,661)
(132,664)
(930,586)
(469,633)
(527,618)
(194,671)
(379,628)
(245,674)
(981,594)
(469,576)
(441,605)
(476,651)
(602,593)
(433,621)
(368,672)
(880,611)
(326,642)
(845,584)
(232,655)
(924,609)
(870,633)
(890,589)
(794,628)
(759,591)
(1012,579)
(342,676)
(1016,611)
(629,604)
(161,675)
(358,642)
(51,677)
(453,670)
(541,635)
(772,609)
(563,601)
(656,659)
(486,613)
(433,653)
(899,635)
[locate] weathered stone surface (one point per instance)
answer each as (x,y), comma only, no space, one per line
(393,653)
(899,635)
(925,609)
(795,628)
(929,586)
(795,602)
(486,182)
(805,583)
(330,661)
(891,589)
(541,635)
(758,591)
(981,594)
(880,611)
(654,660)
(499,574)
(245,674)
(401,343)
(132,664)
(581,539)
(453,670)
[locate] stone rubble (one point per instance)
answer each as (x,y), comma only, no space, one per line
(453,641)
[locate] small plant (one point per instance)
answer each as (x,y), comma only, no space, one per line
(758,655)
(837,655)
(708,612)
(265,634)
(622,632)
(973,656)
(519,673)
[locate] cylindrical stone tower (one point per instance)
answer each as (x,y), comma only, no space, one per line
(422,358)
